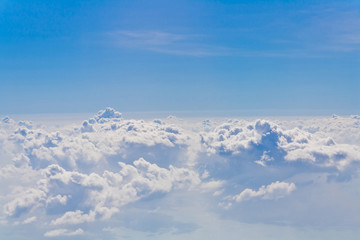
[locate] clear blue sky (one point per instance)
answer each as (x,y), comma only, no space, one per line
(81,56)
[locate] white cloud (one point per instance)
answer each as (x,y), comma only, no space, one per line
(106,114)
(105,135)
(84,175)
(273,144)
(7,120)
(274,190)
(264,159)
(29,220)
(212,186)
(24,201)
(166,43)
(74,217)
(148,37)
(63,232)
(57,199)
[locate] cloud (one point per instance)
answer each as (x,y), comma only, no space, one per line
(148,37)
(7,120)
(90,174)
(24,202)
(100,137)
(338,28)
(265,143)
(63,232)
(106,114)
(105,193)
(165,42)
(74,217)
(57,199)
(29,220)
(102,194)
(274,190)
(312,30)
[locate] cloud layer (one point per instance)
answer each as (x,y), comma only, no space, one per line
(70,177)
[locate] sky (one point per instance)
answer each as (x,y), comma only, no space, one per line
(179,120)
(277,57)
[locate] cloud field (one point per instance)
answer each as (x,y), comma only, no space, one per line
(115,178)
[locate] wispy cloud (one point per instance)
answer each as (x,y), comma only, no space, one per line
(147,38)
(331,30)
(186,45)
(321,31)
(309,43)
(164,42)
(63,232)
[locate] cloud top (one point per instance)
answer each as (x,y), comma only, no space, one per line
(71,177)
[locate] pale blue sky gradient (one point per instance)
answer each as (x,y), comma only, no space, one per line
(287,57)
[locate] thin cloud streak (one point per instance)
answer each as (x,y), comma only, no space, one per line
(195,45)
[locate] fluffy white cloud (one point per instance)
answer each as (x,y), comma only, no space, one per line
(105,135)
(102,194)
(270,143)
(77,176)
(24,201)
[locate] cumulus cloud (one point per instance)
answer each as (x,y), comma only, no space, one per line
(106,135)
(271,144)
(7,120)
(101,195)
(24,202)
(73,176)
(106,114)
(274,190)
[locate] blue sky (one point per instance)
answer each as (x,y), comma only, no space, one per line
(296,57)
